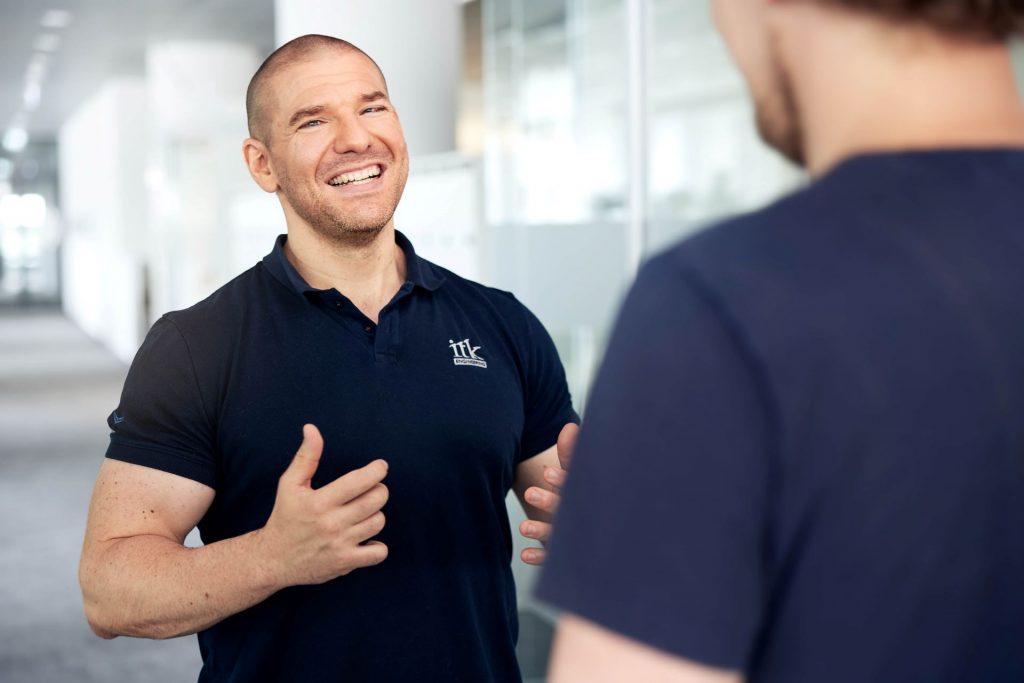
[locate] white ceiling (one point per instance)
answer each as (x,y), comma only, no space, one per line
(107,38)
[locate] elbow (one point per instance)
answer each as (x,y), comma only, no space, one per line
(99,625)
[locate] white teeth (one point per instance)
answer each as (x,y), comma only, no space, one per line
(355,176)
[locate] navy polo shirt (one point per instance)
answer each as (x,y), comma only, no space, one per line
(804,453)
(456,385)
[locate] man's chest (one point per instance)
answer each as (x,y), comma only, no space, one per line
(444,407)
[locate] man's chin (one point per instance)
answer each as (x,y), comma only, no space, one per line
(350,235)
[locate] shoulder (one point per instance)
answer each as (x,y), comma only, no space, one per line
(483,299)
(782,253)
(221,311)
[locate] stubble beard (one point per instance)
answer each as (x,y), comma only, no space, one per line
(329,223)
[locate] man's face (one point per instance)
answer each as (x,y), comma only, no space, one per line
(745,28)
(336,146)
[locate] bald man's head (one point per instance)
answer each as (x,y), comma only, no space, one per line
(294,51)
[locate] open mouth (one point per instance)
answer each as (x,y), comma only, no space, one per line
(360,177)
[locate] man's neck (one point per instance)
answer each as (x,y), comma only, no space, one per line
(368,275)
(867,85)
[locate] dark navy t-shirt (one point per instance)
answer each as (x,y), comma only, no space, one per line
(804,453)
(456,385)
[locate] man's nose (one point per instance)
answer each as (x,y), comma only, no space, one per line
(351,136)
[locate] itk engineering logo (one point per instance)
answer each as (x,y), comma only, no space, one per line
(465,353)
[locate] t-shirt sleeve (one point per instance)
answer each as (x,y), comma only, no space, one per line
(547,403)
(660,532)
(161,421)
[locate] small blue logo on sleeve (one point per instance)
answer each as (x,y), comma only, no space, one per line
(118,419)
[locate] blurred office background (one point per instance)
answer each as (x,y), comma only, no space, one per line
(555,144)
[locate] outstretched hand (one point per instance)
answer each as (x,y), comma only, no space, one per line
(546,500)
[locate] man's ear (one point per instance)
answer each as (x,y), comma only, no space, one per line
(257,159)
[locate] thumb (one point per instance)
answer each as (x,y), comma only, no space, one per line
(303,466)
(566,444)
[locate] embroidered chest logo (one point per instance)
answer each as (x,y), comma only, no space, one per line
(465,353)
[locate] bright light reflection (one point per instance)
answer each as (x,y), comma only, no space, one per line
(28,210)
(56,18)
(15,139)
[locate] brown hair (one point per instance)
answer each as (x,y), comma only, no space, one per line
(986,19)
(293,51)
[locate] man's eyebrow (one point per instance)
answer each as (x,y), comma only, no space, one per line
(303,113)
(320,108)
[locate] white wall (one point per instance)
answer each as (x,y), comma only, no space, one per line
(101,162)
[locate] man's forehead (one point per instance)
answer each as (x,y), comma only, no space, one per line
(340,69)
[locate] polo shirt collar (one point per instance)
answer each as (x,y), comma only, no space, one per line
(418,271)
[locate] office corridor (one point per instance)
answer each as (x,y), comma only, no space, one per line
(56,389)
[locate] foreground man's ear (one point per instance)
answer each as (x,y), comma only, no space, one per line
(257,159)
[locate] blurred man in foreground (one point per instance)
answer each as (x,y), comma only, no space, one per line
(388,365)
(804,455)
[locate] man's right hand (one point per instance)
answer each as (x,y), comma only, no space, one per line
(315,535)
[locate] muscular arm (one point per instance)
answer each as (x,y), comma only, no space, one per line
(585,652)
(139,579)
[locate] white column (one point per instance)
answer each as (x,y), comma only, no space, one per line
(417,44)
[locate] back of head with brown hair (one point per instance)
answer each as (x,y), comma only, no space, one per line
(981,19)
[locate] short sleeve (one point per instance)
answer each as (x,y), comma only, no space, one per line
(161,421)
(660,532)
(547,403)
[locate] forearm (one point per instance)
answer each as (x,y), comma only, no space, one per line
(152,587)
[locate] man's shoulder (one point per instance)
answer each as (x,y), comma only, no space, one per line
(225,306)
(459,287)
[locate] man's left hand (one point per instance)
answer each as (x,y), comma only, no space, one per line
(546,500)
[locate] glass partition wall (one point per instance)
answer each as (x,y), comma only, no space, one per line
(613,128)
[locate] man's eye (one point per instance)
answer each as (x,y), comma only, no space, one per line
(373,110)
(311,124)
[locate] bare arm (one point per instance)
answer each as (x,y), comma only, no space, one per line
(585,652)
(139,579)
(538,483)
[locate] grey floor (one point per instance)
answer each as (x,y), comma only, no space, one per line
(56,389)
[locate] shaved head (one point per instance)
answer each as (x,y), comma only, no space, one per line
(294,51)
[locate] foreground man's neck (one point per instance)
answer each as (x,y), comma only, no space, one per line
(369,275)
(865,85)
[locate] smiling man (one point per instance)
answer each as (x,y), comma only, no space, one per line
(383,365)
(803,459)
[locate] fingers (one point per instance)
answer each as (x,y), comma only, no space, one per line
(566,443)
(366,505)
(354,484)
(538,531)
(555,477)
(545,501)
(369,554)
(368,528)
(534,556)
(303,466)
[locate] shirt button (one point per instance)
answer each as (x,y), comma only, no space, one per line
(337,304)
(368,329)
